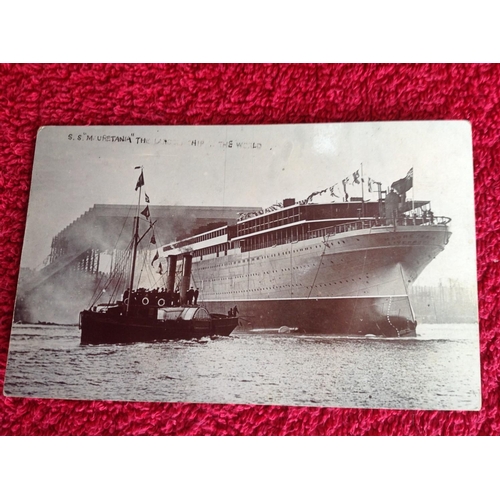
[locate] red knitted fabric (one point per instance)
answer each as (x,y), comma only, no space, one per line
(36,95)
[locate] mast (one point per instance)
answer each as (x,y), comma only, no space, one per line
(140,183)
(412,191)
(362,193)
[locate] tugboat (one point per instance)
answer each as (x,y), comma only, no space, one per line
(152,315)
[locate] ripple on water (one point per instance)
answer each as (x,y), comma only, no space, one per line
(438,369)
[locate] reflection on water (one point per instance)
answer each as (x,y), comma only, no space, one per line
(439,369)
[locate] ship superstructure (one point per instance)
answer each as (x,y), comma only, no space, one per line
(342,268)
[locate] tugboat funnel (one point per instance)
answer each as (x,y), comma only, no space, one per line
(172,265)
(186,277)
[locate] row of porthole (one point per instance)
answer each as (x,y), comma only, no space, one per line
(256,258)
(285,286)
(261,257)
(305,266)
(258,274)
(400,242)
(420,236)
(243,276)
(234,276)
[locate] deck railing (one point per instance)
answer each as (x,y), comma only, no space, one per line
(368,224)
(345,228)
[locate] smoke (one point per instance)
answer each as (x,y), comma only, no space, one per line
(57,300)
(58,292)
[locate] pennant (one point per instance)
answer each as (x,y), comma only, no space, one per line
(153,240)
(332,191)
(312,195)
(137,167)
(156,257)
(344,182)
(145,212)
(355,177)
(140,182)
(146,197)
(405,184)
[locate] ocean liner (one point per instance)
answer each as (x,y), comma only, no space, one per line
(337,268)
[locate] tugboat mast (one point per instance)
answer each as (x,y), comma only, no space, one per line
(139,185)
(362,193)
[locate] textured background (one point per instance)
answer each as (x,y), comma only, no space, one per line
(36,95)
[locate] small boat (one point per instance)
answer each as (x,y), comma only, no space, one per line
(110,324)
(152,315)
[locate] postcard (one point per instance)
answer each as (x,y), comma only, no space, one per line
(327,264)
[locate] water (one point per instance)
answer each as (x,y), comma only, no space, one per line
(437,370)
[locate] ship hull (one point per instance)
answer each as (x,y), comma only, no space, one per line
(348,284)
(97,328)
(383,316)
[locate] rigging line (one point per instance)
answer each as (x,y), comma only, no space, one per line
(356,303)
(114,248)
(97,272)
(142,268)
(117,285)
(121,277)
(155,282)
(159,241)
(99,291)
(97,287)
(123,226)
(149,272)
(146,256)
(406,290)
(317,270)
(151,277)
(118,276)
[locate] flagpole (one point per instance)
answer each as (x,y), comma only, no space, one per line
(412,189)
(136,240)
(362,193)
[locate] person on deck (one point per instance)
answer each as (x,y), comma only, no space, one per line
(190,295)
(195,296)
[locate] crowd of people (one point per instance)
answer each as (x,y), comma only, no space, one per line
(160,297)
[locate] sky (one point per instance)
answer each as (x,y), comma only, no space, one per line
(253,165)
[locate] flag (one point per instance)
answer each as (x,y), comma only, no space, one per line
(156,257)
(405,184)
(140,182)
(145,212)
(344,182)
(146,196)
(153,240)
(355,177)
(332,191)
(370,185)
(312,195)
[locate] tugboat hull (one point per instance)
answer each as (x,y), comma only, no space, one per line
(105,328)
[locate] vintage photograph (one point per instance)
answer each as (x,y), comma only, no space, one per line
(307,265)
